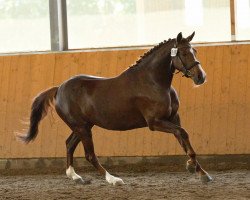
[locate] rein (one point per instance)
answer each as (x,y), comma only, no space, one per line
(185,70)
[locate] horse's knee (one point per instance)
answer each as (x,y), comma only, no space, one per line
(184,135)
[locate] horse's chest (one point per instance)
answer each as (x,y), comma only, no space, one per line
(156,106)
(163,109)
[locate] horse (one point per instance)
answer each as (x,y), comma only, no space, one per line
(141,96)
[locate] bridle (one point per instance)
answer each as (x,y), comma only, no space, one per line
(185,70)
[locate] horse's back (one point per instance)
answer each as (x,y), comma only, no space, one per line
(85,77)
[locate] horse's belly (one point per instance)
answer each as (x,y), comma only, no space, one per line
(120,120)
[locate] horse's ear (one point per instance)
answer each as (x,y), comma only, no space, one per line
(179,37)
(189,38)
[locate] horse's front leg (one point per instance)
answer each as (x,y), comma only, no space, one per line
(183,138)
(86,137)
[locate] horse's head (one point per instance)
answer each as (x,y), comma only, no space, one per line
(184,59)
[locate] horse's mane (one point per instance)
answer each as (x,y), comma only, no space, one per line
(149,52)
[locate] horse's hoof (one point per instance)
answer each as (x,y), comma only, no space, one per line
(118,182)
(80,181)
(205,178)
(114,180)
(191,167)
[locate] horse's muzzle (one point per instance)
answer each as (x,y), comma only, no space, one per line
(200,75)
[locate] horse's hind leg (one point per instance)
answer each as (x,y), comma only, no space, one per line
(86,138)
(71,144)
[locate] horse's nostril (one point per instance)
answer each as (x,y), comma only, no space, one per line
(201,77)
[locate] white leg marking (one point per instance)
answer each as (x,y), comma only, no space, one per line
(206,178)
(113,180)
(70,172)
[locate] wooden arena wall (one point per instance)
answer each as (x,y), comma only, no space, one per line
(215,114)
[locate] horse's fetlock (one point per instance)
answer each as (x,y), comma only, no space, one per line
(192,155)
(87,156)
(90,158)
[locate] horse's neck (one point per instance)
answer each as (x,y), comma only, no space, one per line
(158,67)
(162,73)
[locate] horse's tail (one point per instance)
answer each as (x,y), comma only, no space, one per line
(39,110)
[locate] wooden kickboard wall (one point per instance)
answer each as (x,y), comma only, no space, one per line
(215,114)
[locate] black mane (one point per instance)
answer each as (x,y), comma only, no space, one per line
(149,52)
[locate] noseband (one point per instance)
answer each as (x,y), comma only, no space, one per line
(185,70)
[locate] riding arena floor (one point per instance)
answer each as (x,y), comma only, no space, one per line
(29,185)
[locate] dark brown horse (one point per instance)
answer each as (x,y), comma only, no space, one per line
(141,96)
